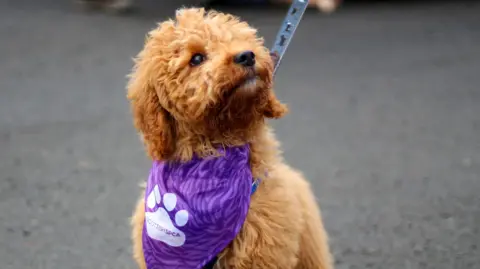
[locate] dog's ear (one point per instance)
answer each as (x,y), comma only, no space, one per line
(150,118)
(274,108)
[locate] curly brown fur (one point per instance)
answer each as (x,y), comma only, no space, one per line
(181,110)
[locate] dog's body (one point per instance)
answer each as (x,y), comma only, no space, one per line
(205,80)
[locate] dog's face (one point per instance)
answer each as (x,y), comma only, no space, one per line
(207,71)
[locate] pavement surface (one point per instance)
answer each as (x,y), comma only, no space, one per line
(385,123)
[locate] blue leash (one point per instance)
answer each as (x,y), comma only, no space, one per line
(289,25)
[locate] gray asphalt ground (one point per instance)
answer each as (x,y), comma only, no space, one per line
(385,122)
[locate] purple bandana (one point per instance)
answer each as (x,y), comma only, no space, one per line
(194,210)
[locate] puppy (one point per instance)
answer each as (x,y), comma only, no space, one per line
(203,82)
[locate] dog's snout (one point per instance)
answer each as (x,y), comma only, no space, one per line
(245,58)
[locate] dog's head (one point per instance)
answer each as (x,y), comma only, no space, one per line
(205,74)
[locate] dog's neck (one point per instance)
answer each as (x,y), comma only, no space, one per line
(263,145)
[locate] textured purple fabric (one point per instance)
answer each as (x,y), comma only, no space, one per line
(193,210)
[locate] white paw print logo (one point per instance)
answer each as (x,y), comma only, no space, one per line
(159,225)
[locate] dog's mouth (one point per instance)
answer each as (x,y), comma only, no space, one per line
(245,87)
(247,84)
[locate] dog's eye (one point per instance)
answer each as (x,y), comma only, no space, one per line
(197,59)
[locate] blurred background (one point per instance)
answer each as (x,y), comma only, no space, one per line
(385,123)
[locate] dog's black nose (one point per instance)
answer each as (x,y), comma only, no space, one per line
(245,58)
